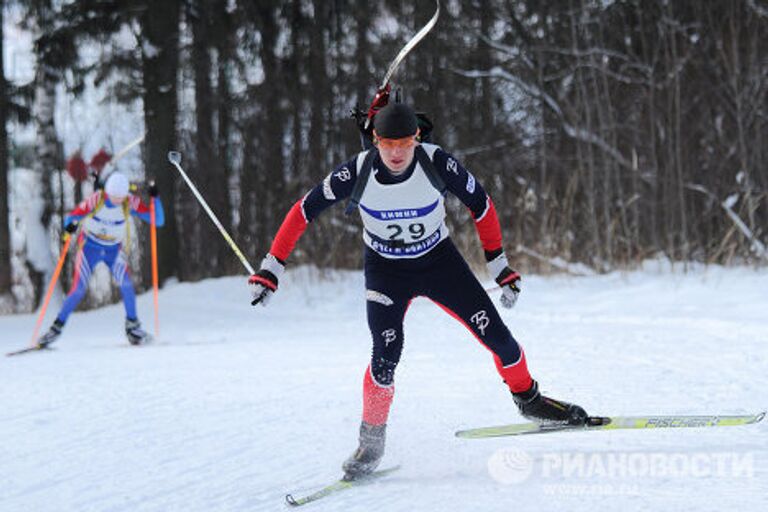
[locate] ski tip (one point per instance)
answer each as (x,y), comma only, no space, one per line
(35,348)
(289,499)
(759,417)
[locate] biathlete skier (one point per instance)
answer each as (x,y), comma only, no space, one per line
(399,187)
(105,228)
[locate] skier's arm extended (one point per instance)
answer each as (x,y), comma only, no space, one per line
(336,186)
(82,210)
(141,210)
(461,183)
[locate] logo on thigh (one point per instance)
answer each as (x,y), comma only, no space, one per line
(481,320)
(389,335)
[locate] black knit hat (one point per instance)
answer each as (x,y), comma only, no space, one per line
(395,121)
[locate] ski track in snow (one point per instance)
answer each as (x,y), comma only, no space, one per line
(232,408)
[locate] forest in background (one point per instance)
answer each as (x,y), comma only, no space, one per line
(607,132)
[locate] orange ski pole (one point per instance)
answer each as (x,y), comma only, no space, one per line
(153,243)
(51,286)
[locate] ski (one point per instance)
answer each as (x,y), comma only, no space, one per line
(613,423)
(149,340)
(36,348)
(339,485)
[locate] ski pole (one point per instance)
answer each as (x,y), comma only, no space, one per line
(175,158)
(51,286)
(153,243)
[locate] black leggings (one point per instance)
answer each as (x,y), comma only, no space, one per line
(443,276)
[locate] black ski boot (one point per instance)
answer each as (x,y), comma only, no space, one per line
(366,458)
(548,411)
(136,335)
(52,335)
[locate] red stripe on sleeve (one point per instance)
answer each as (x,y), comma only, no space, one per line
(290,231)
(137,204)
(86,206)
(488,228)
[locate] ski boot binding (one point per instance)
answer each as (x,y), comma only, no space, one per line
(52,335)
(136,335)
(367,457)
(548,411)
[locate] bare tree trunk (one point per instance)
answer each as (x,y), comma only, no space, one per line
(740,96)
(653,219)
(544,212)
(318,139)
(249,184)
(271,197)
(160,28)
(5,234)
(599,100)
(48,154)
(677,140)
(224,38)
(586,162)
(363,75)
(300,103)
(209,174)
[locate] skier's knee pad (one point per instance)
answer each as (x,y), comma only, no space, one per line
(383,371)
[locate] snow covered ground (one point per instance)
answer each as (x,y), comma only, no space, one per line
(232,408)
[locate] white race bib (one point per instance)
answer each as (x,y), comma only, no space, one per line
(406,219)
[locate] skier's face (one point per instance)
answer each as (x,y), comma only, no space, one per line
(397,154)
(115,199)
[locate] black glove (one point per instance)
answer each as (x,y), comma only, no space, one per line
(97,183)
(153,192)
(507,279)
(71,227)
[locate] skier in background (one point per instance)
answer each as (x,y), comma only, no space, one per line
(399,186)
(104,218)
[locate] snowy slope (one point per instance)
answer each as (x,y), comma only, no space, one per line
(234,407)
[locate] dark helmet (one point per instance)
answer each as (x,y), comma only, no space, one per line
(395,121)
